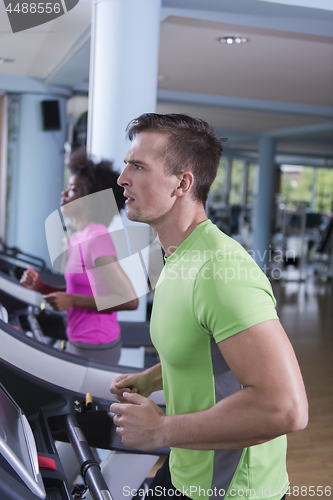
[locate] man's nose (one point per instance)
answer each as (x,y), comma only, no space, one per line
(123,178)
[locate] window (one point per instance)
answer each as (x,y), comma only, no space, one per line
(324,190)
(217,191)
(309,186)
(252,184)
(296,186)
(236,182)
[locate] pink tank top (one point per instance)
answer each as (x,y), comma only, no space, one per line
(82,277)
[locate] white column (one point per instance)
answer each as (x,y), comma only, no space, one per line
(122,85)
(264,206)
(123,71)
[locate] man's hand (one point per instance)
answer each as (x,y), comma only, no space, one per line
(140,423)
(60,301)
(130,383)
(31,279)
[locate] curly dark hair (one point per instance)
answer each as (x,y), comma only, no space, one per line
(192,145)
(95,178)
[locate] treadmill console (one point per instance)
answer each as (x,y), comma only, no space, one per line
(18,453)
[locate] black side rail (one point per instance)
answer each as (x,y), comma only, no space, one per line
(16,253)
(90,470)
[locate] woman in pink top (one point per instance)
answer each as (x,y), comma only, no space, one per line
(91,270)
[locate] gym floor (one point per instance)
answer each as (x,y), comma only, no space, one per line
(306,312)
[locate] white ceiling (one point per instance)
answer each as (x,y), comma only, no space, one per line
(273,65)
(37,51)
(280,82)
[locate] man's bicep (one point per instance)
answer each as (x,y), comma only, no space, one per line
(261,356)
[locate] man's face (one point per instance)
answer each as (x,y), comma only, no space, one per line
(148,188)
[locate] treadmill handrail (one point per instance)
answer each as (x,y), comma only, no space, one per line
(90,470)
(73,358)
(13,252)
(20,292)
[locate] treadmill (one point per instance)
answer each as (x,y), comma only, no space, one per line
(35,355)
(66,370)
(29,306)
(24,304)
(35,413)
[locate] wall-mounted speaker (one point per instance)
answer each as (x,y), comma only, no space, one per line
(51,115)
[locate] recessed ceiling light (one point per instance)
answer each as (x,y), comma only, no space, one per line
(233,39)
(4,60)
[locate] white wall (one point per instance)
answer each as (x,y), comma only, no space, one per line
(40,174)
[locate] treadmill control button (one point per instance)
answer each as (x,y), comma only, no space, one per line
(46,463)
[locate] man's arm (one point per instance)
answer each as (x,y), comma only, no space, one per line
(273,401)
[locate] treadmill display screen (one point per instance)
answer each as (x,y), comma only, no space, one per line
(17,445)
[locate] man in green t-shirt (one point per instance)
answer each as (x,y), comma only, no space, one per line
(231,382)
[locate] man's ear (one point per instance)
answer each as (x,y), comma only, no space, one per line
(185,183)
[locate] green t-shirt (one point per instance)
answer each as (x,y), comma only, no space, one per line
(209,290)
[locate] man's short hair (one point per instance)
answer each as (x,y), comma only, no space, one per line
(192,145)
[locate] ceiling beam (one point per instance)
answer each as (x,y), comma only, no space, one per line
(269,15)
(314,4)
(244,104)
(301,131)
(24,84)
(317,161)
